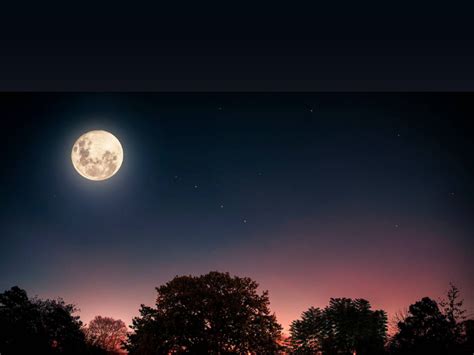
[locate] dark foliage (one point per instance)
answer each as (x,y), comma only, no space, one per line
(107,334)
(424,330)
(344,327)
(209,314)
(34,326)
(219,314)
(452,308)
(468,336)
(431,329)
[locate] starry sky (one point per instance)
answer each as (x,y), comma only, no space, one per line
(312,195)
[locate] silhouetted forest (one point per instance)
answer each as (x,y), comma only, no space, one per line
(218,313)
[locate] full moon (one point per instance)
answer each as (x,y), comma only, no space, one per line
(97,155)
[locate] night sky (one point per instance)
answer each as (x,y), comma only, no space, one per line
(312,195)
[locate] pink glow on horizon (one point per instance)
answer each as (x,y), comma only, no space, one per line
(299,272)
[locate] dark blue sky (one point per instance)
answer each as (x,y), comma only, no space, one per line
(313,195)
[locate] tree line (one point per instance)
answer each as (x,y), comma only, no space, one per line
(218,313)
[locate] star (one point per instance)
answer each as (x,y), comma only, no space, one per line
(451,193)
(245,221)
(396,225)
(222,206)
(195,186)
(220,108)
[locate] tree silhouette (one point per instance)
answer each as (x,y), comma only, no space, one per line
(219,314)
(209,314)
(106,333)
(344,327)
(311,333)
(435,328)
(426,330)
(453,309)
(35,326)
(468,336)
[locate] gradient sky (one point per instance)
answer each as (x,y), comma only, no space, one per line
(312,195)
